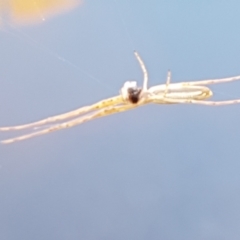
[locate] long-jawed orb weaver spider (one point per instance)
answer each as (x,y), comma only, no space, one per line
(131,96)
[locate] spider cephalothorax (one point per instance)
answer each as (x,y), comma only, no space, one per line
(134,95)
(130,92)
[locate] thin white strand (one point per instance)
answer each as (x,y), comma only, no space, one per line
(32,41)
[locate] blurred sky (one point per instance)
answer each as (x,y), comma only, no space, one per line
(157,172)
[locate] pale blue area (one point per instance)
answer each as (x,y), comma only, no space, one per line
(158,172)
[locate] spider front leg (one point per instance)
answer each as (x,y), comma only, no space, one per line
(64,116)
(144,70)
(100,113)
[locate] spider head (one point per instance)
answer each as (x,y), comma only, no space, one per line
(130,92)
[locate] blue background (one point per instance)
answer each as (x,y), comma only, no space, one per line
(156,172)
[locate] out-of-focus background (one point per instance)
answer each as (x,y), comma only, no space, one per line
(157,172)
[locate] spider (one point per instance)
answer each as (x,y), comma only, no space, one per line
(131,96)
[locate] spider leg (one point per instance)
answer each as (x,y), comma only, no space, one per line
(213,81)
(178,91)
(193,101)
(100,113)
(182,86)
(144,70)
(215,103)
(167,82)
(71,114)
